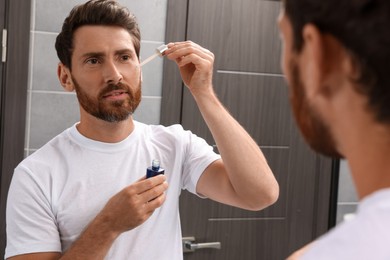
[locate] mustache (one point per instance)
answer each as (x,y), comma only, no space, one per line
(111,87)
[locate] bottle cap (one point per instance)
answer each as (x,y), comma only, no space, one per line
(161,49)
(155,164)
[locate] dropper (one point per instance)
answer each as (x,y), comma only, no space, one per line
(159,52)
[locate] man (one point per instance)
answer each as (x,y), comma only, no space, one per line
(84,194)
(335,58)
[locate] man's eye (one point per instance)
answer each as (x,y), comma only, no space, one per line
(125,57)
(93,61)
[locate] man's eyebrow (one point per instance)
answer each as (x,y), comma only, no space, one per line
(92,54)
(101,54)
(121,51)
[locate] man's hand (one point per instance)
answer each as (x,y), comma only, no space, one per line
(134,204)
(195,64)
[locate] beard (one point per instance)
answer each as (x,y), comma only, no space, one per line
(316,133)
(110,111)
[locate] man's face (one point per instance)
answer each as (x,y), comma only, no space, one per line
(105,72)
(312,126)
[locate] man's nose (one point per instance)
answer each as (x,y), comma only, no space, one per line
(112,73)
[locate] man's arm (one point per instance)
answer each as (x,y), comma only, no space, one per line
(242,178)
(124,211)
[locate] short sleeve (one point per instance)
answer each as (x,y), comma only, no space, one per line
(31,225)
(198,156)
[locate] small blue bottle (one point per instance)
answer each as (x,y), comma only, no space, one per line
(155,169)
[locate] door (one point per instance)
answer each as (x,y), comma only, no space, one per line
(15,18)
(2,41)
(244,37)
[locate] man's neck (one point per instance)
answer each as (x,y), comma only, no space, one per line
(369,160)
(103,131)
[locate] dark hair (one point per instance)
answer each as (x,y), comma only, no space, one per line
(362,27)
(95,12)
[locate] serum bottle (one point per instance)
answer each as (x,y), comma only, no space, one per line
(155,169)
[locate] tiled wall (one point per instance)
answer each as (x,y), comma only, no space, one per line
(51,109)
(347,196)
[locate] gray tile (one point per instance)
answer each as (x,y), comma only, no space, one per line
(343,210)
(49,14)
(149,110)
(151,16)
(152,72)
(32,16)
(347,190)
(51,113)
(45,62)
(27,130)
(25,153)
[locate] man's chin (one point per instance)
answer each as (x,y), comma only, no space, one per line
(114,119)
(114,116)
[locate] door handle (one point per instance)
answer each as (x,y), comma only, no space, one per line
(190,246)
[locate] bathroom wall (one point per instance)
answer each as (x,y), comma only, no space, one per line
(51,109)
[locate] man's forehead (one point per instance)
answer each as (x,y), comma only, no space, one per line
(101,37)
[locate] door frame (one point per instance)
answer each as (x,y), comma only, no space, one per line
(14,85)
(171,107)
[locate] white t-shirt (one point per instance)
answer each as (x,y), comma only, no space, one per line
(60,188)
(365,237)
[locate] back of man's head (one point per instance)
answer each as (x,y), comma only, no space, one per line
(362,27)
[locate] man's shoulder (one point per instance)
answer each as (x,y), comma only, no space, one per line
(364,236)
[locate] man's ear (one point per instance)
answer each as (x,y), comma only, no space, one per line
(64,77)
(312,65)
(322,60)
